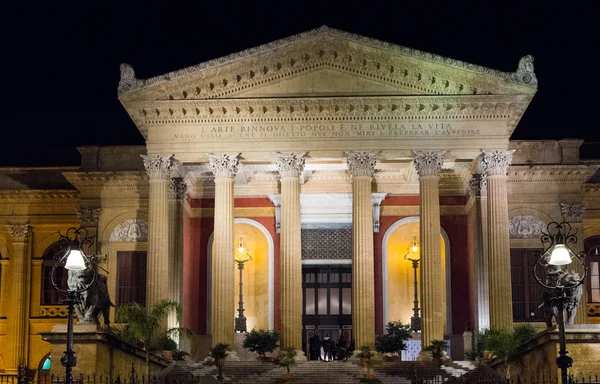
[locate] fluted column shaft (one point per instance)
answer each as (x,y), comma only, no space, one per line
(223,268)
(361,166)
(573,214)
(20,263)
(433,292)
(496,164)
(478,189)
(157,270)
(290,166)
(177,191)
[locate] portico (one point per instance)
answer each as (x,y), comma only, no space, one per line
(328,112)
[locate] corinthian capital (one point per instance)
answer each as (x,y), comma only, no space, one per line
(478,184)
(19,232)
(573,213)
(224,165)
(428,163)
(177,188)
(361,163)
(290,164)
(158,167)
(497,161)
(89,216)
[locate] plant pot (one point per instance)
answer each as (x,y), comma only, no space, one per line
(369,376)
(364,362)
(392,358)
(167,354)
(264,359)
(437,361)
(220,363)
(287,376)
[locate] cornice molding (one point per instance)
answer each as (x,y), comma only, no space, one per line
(39,197)
(95,180)
(384,61)
(550,173)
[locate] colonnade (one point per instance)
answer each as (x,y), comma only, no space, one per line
(361,167)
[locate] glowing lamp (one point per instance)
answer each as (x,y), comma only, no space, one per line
(75,260)
(561,255)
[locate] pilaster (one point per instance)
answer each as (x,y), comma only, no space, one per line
(290,166)
(88,218)
(495,163)
(224,168)
(433,294)
(361,166)
(17,317)
(573,214)
(478,190)
(157,272)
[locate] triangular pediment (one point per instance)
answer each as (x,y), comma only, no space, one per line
(326,61)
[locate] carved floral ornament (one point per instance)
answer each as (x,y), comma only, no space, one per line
(573,213)
(428,163)
(224,165)
(158,167)
(477,184)
(19,232)
(525,227)
(131,230)
(290,164)
(89,216)
(496,162)
(335,50)
(178,188)
(361,163)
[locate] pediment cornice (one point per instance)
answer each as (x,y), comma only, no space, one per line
(325,47)
(40,197)
(550,173)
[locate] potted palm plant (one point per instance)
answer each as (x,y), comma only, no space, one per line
(437,349)
(219,353)
(286,359)
(393,341)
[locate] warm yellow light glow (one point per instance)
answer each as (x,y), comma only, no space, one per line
(414,244)
(560,255)
(241,245)
(75,261)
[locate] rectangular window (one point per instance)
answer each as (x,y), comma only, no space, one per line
(131,277)
(322,301)
(50,295)
(334,301)
(526,292)
(309,296)
(594,281)
(346,301)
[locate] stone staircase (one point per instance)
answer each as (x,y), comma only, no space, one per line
(314,372)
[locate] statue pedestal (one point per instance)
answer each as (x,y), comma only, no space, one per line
(98,353)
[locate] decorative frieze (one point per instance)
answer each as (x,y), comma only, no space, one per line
(224,165)
(54,311)
(428,162)
(376,199)
(89,216)
(290,164)
(525,227)
(478,184)
(178,188)
(496,162)
(361,163)
(158,167)
(573,212)
(19,232)
(131,230)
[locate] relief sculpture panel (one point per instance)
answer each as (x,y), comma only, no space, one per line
(130,231)
(525,227)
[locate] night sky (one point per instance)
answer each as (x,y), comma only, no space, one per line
(64,60)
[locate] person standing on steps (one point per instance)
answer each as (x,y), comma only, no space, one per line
(326,348)
(315,347)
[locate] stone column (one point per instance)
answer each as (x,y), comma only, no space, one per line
(573,214)
(157,270)
(224,167)
(361,166)
(290,166)
(177,192)
(18,317)
(433,293)
(495,163)
(478,189)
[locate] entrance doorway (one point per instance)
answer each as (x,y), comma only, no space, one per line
(327,302)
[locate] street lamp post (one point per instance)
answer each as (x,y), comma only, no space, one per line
(240,321)
(415,320)
(74,259)
(560,285)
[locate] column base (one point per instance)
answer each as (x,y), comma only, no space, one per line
(300,356)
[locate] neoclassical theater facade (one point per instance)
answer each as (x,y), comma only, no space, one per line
(328,156)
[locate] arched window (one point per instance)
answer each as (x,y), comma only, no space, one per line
(592,250)
(51,296)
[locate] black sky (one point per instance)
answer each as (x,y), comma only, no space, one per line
(63,60)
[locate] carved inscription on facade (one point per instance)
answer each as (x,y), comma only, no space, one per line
(330,130)
(130,230)
(525,227)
